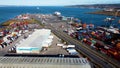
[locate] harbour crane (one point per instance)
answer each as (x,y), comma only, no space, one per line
(109,20)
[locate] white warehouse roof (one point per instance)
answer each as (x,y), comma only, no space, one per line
(35,40)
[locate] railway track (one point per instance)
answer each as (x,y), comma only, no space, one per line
(98,59)
(95,57)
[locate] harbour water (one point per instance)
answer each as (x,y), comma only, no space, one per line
(8,12)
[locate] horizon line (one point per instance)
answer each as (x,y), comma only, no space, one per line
(56,5)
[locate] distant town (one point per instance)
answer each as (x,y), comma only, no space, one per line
(102,6)
(107,9)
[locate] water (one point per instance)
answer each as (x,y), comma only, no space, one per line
(7,13)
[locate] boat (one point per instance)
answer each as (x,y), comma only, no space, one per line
(57,13)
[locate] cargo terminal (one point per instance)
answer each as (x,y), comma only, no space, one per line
(29,48)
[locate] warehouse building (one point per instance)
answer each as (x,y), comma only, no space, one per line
(34,43)
(43,62)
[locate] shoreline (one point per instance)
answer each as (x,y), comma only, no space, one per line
(58,26)
(108,13)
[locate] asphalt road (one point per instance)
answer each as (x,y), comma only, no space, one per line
(95,57)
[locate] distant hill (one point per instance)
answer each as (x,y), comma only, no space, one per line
(102,6)
(107,9)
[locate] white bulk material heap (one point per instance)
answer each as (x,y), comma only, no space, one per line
(34,42)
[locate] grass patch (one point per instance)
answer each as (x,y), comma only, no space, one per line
(30,21)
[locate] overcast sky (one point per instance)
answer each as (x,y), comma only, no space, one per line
(55,2)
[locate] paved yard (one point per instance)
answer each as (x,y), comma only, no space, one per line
(54,49)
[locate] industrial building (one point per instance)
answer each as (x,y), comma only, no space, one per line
(43,62)
(34,42)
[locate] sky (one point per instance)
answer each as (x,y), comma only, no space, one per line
(55,2)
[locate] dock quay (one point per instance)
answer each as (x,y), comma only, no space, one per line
(63,44)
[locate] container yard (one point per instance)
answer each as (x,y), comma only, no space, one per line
(82,32)
(29,39)
(97,37)
(102,39)
(59,34)
(33,39)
